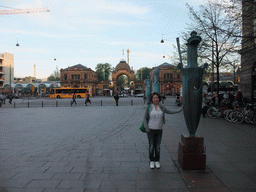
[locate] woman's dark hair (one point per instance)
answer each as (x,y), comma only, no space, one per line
(152,95)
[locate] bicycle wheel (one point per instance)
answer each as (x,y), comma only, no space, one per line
(254,119)
(237,117)
(230,116)
(248,117)
(211,113)
(226,113)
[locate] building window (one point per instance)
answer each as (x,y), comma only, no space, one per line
(168,76)
(72,76)
(164,76)
(78,76)
(85,76)
(178,76)
(65,77)
(171,76)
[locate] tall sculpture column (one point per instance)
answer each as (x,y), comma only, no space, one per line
(156,85)
(148,89)
(191,148)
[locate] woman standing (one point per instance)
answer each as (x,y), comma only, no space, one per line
(153,122)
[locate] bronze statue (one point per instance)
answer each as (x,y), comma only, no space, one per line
(192,85)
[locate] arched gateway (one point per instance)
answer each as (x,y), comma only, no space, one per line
(122,69)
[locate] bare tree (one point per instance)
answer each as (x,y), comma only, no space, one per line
(211,23)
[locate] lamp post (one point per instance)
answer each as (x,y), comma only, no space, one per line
(11,77)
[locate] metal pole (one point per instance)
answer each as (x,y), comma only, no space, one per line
(11,77)
(14,104)
(212,70)
(234,74)
(56,103)
(101,102)
(178,44)
(42,104)
(28,104)
(131,102)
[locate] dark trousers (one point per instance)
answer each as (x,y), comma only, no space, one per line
(154,140)
(204,111)
(74,101)
(116,102)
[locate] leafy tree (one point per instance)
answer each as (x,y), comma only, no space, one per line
(55,76)
(142,73)
(122,81)
(103,71)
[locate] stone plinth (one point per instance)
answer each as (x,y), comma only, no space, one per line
(191,153)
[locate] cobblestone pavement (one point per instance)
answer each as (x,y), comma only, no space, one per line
(96,149)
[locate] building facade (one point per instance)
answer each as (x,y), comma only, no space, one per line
(79,76)
(170,79)
(248,51)
(6,68)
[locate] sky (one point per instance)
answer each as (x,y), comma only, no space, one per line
(90,32)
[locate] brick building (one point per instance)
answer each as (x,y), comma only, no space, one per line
(79,76)
(170,79)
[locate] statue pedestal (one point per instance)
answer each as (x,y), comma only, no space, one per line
(191,153)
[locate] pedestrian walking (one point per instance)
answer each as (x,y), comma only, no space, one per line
(73,99)
(116,97)
(154,118)
(204,105)
(87,100)
(10,98)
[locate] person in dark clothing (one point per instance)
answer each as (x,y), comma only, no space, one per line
(204,106)
(10,98)
(239,98)
(116,97)
(87,100)
(73,99)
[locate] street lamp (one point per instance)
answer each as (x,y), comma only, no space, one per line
(17,44)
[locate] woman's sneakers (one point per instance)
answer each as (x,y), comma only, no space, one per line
(157,164)
(152,164)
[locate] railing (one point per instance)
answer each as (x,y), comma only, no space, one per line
(80,103)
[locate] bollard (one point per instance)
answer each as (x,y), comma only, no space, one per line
(71,103)
(131,102)
(56,103)
(101,102)
(42,104)
(144,101)
(28,103)
(14,104)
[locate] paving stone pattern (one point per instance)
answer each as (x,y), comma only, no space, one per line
(101,149)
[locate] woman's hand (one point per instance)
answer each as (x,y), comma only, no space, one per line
(181,107)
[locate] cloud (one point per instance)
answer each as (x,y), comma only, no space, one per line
(72,14)
(104,7)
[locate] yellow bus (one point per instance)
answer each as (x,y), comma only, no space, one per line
(67,92)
